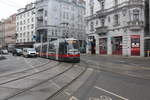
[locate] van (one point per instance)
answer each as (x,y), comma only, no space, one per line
(29,52)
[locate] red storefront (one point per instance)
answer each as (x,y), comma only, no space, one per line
(135,45)
(103,46)
(117,45)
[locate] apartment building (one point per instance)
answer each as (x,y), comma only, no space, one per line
(10,30)
(25,25)
(60,18)
(116,27)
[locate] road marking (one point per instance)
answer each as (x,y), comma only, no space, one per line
(67,93)
(123,98)
(73,98)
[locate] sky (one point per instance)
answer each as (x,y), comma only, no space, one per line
(9,7)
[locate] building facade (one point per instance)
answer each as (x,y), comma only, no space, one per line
(10,30)
(116,27)
(1,34)
(60,18)
(25,25)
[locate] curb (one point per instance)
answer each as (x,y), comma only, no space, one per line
(2,58)
(103,68)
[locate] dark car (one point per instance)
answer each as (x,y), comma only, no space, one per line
(17,52)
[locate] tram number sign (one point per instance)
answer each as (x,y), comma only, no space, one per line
(72,41)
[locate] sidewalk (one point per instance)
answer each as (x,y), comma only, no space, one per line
(131,66)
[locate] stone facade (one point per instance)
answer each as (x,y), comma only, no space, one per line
(60,18)
(116,27)
(10,30)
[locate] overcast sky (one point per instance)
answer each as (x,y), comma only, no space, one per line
(9,7)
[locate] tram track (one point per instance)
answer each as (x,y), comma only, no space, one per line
(67,85)
(18,77)
(22,71)
(38,84)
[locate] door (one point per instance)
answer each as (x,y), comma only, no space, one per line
(135,45)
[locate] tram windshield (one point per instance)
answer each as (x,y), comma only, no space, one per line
(73,45)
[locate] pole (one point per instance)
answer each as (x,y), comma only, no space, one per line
(41,44)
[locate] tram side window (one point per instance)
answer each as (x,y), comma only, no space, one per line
(62,48)
(44,49)
(51,48)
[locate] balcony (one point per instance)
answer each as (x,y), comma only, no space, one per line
(101,13)
(102,30)
(91,17)
(135,25)
(136,2)
(40,18)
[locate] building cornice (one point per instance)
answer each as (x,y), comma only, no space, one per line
(25,11)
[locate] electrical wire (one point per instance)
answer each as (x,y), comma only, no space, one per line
(2,2)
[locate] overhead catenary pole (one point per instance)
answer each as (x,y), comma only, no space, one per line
(41,44)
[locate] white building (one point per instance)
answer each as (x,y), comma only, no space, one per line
(116,27)
(25,25)
(60,18)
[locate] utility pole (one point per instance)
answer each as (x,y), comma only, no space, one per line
(41,38)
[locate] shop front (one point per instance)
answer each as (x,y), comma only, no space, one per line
(92,44)
(116,45)
(135,45)
(103,46)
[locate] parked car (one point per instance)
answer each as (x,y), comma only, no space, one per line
(4,51)
(82,50)
(17,52)
(29,52)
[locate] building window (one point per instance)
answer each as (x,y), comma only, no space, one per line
(24,27)
(92,26)
(109,19)
(96,22)
(28,14)
(136,15)
(45,22)
(17,24)
(28,20)
(32,26)
(116,20)
(116,2)
(32,19)
(20,22)
(92,10)
(102,5)
(24,15)
(28,27)
(45,13)
(102,22)
(20,28)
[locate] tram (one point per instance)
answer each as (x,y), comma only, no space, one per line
(60,49)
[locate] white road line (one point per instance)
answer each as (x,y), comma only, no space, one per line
(67,93)
(73,98)
(123,98)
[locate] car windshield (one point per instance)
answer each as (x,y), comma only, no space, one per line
(18,49)
(31,49)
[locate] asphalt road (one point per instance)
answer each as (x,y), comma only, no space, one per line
(93,84)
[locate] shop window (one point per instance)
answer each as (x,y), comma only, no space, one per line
(117,45)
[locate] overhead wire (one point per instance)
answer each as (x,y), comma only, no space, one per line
(8,4)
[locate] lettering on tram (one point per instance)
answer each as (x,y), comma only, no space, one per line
(60,49)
